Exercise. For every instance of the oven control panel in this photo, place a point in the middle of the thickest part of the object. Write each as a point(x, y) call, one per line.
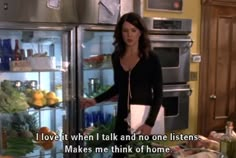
point(168, 26)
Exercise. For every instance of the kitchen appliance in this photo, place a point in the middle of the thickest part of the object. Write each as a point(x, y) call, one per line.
point(95, 45)
point(176, 103)
point(43, 27)
point(102, 11)
point(171, 41)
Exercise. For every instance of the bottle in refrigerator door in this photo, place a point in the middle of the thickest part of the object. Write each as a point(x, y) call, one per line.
point(7, 51)
point(29, 52)
point(17, 53)
point(1, 56)
point(22, 54)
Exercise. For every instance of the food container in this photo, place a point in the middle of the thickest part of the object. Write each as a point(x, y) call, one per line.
point(107, 61)
point(20, 65)
point(197, 153)
point(93, 85)
point(43, 63)
point(93, 61)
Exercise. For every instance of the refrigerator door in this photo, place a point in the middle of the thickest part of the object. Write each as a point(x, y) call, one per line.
point(96, 76)
point(35, 118)
point(49, 11)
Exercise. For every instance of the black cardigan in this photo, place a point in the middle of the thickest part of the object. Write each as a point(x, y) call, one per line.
point(146, 86)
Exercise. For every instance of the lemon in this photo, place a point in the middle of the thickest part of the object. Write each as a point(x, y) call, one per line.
point(38, 102)
point(38, 95)
point(51, 101)
point(51, 95)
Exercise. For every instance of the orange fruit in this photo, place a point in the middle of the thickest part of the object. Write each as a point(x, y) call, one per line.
point(38, 102)
point(52, 133)
point(47, 145)
point(38, 94)
point(51, 101)
point(51, 95)
point(44, 130)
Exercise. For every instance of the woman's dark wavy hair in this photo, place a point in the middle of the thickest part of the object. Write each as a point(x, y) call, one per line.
point(144, 42)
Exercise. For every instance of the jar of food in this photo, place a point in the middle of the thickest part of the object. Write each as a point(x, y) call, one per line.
point(93, 85)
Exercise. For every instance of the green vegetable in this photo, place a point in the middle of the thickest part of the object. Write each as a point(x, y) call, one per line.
point(100, 90)
point(11, 99)
point(19, 146)
point(101, 129)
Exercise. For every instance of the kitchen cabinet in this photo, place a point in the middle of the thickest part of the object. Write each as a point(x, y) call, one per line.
point(220, 2)
point(217, 99)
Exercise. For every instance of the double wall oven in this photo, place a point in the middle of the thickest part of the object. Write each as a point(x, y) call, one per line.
point(171, 41)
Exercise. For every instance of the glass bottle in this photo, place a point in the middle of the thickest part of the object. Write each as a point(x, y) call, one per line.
point(227, 140)
point(7, 51)
point(4, 138)
point(22, 54)
point(1, 56)
point(17, 53)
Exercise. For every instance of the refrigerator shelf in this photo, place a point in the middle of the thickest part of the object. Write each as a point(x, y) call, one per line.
point(33, 71)
point(98, 68)
point(46, 107)
point(107, 103)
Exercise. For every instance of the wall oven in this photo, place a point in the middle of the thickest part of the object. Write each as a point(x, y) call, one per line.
point(176, 103)
point(173, 51)
point(171, 41)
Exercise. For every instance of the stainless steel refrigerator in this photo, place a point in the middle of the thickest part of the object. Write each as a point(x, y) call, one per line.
point(52, 52)
point(96, 76)
point(47, 44)
point(58, 58)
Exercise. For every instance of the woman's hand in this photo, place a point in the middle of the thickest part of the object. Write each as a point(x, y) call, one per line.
point(144, 129)
point(87, 102)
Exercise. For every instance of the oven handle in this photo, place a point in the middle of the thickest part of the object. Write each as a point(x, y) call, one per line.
point(171, 40)
point(189, 90)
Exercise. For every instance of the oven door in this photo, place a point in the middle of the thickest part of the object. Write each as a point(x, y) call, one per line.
point(176, 103)
point(174, 55)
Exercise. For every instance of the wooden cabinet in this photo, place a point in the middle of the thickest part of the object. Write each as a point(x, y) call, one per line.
point(219, 2)
point(217, 99)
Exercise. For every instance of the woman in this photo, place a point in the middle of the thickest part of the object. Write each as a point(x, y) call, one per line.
point(137, 74)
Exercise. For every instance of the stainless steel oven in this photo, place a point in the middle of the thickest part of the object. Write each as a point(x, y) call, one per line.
point(171, 41)
point(174, 54)
point(176, 103)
